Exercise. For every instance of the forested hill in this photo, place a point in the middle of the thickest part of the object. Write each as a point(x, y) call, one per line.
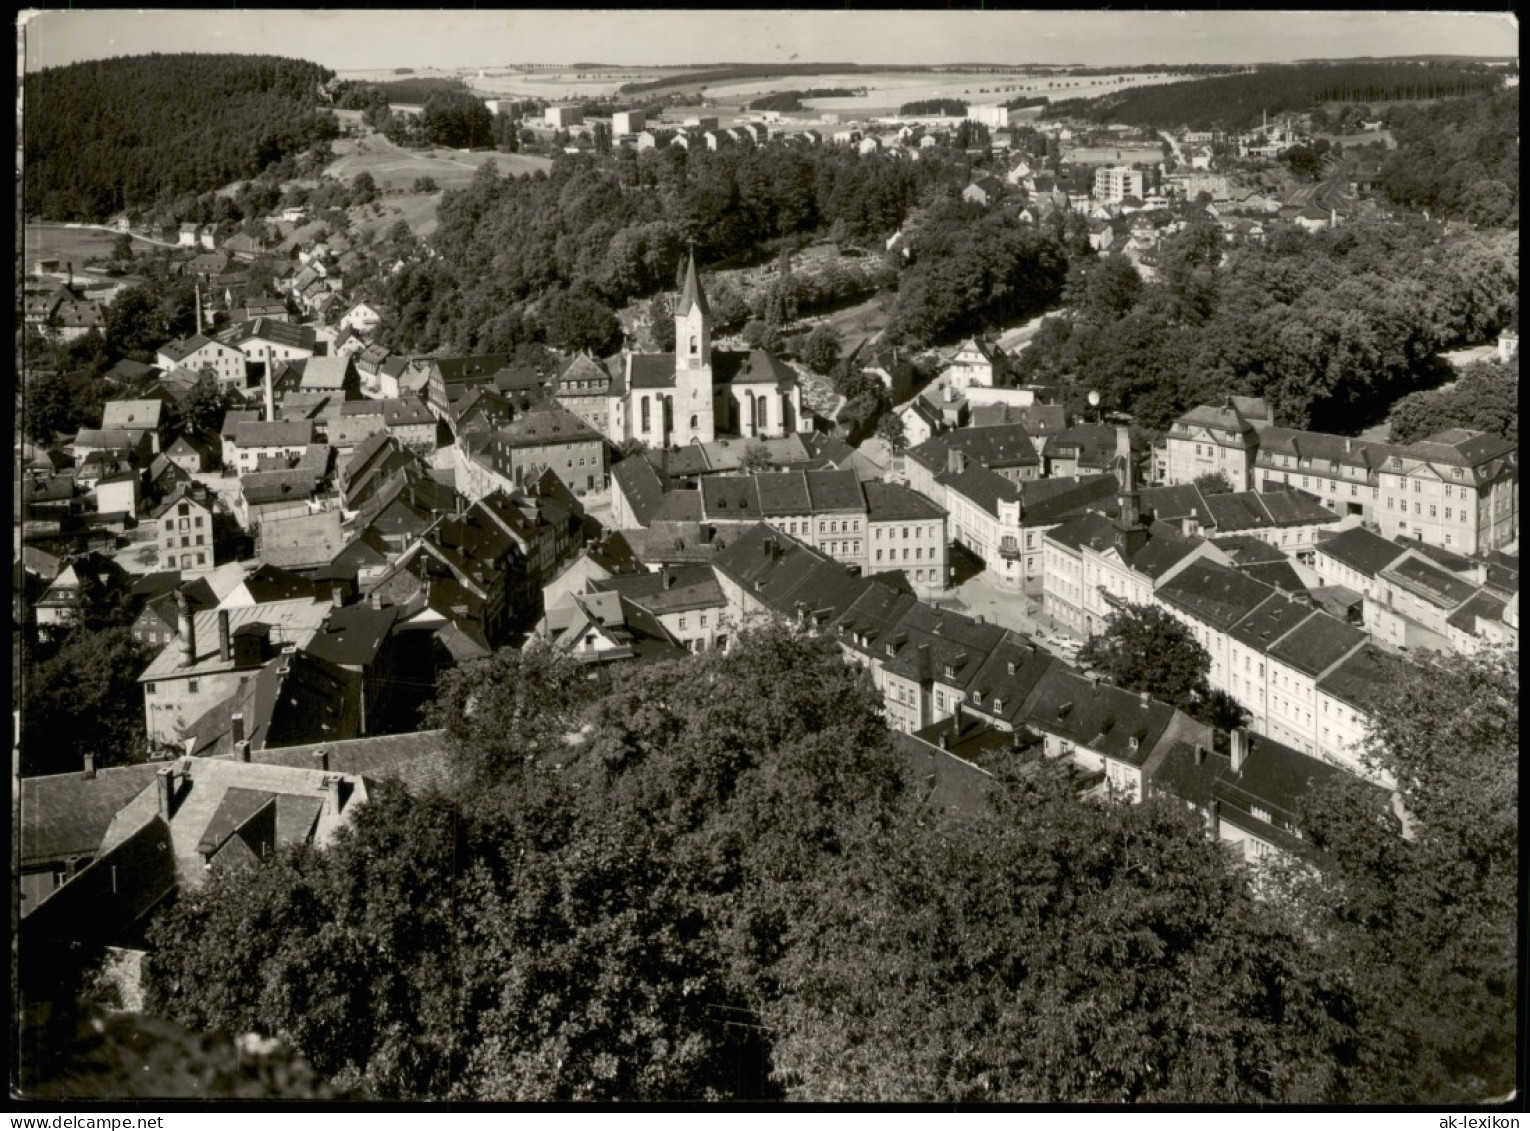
point(117, 133)
point(1237, 101)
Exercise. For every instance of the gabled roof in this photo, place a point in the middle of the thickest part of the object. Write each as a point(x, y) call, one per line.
point(275, 331)
point(1481, 604)
point(984, 488)
point(272, 433)
point(1098, 715)
point(641, 486)
point(478, 367)
point(66, 815)
point(1273, 777)
point(758, 367)
point(833, 491)
point(1322, 448)
point(133, 414)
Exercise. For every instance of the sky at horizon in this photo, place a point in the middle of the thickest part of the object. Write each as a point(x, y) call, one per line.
point(448, 39)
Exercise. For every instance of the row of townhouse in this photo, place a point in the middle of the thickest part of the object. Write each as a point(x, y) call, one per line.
point(1456, 489)
point(1275, 653)
point(1414, 595)
point(960, 684)
point(871, 527)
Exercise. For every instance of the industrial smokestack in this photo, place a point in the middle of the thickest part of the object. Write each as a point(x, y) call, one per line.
point(1239, 748)
point(187, 629)
point(270, 391)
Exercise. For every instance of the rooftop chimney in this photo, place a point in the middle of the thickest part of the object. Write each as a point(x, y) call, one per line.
point(225, 649)
point(331, 788)
point(186, 627)
point(237, 727)
point(1147, 700)
point(337, 594)
point(956, 460)
point(1094, 684)
point(90, 766)
point(242, 750)
point(321, 758)
point(1200, 754)
point(1239, 748)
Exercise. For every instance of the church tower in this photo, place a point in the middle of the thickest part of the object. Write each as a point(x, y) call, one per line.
point(694, 414)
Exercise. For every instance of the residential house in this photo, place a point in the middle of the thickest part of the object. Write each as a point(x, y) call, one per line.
point(264, 342)
point(1004, 523)
point(1006, 449)
point(584, 388)
point(687, 601)
point(212, 653)
point(137, 416)
point(333, 376)
point(977, 361)
point(199, 353)
point(603, 627)
point(549, 437)
point(254, 440)
point(193, 453)
point(1213, 439)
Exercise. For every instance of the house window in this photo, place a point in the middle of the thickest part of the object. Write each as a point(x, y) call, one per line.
point(703, 620)
point(682, 624)
point(148, 689)
point(191, 686)
point(201, 559)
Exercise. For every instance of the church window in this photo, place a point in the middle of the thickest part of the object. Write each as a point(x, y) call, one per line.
point(645, 414)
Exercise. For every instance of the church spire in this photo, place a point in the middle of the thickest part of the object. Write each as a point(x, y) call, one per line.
point(692, 293)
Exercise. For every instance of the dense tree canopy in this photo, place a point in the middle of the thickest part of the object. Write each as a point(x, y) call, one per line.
point(110, 134)
point(711, 878)
point(86, 698)
point(1239, 101)
point(1425, 928)
point(1485, 397)
point(1331, 328)
point(620, 226)
point(1143, 648)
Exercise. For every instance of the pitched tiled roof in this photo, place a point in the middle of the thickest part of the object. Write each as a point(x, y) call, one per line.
point(1007, 445)
point(1294, 508)
point(653, 370)
point(1423, 578)
point(1214, 593)
point(980, 486)
point(274, 330)
point(1317, 643)
point(1322, 447)
point(1361, 550)
point(1222, 418)
point(1098, 715)
point(479, 367)
point(781, 493)
point(758, 367)
point(64, 815)
point(730, 498)
point(1274, 777)
point(272, 433)
point(835, 491)
point(549, 424)
point(1275, 616)
point(889, 502)
point(1481, 604)
point(640, 485)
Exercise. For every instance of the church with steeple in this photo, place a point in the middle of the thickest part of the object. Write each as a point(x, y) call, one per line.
point(696, 393)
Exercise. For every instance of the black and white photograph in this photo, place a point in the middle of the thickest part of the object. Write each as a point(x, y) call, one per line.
point(925, 559)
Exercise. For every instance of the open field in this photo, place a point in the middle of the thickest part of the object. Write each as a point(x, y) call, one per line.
point(417, 209)
point(70, 244)
point(395, 168)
